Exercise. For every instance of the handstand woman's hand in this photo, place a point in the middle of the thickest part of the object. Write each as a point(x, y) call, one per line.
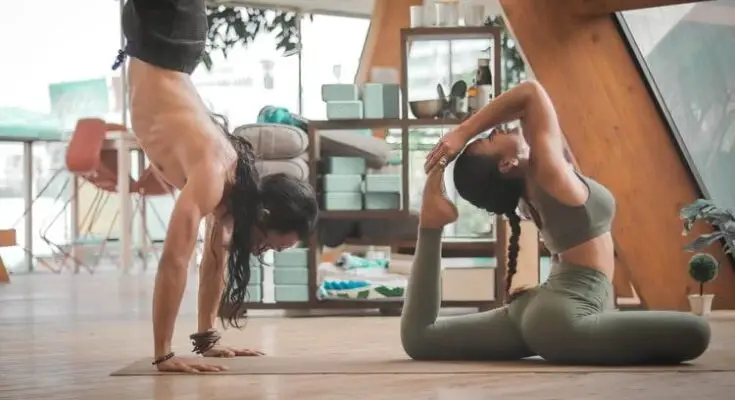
point(229, 352)
point(189, 365)
point(445, 151)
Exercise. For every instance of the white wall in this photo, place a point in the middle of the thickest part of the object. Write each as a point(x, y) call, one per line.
point(492, 7)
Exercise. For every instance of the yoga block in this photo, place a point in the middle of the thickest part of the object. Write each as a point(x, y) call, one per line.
point(255, 293)
point(343, 183)
point(340, 92)
point(344, 110)
point(346, 165)
point(296, 257)
point(256, 275)
point(291, 276)
point(342, 201)
point(382, 201)
point(383, 183)
point(381, 100)
point(292, 293)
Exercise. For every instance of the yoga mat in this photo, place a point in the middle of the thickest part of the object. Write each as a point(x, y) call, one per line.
point(316, 365)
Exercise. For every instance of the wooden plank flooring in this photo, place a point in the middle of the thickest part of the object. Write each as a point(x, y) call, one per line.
point(61, 336)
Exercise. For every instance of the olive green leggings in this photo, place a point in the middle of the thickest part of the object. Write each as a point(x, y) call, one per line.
point(569, 319)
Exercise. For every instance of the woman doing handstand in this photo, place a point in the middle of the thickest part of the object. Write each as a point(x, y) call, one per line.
point(216, 175)
point(569, 318)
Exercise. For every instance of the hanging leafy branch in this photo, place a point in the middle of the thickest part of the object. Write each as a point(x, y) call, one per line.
point(514, 68)
point(239, 26)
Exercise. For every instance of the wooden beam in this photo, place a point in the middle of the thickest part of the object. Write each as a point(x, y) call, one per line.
point(621, 279)
point(605, 7)
point(382, 46)
point(619, 138)
point(383, 42)
point(528, 273)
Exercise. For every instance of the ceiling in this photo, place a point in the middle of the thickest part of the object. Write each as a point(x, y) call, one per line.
point(340, 7)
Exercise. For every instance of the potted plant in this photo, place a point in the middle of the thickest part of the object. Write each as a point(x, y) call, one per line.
point(702, 268)
point(722, 220)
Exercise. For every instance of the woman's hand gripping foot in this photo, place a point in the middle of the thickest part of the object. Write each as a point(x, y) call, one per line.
point(436, 209)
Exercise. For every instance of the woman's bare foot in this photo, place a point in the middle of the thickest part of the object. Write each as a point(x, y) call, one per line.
point(436, 209)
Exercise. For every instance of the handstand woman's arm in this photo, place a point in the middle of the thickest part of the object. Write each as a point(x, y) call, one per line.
point(211, 275)
point(198, 198)
point(211, 286)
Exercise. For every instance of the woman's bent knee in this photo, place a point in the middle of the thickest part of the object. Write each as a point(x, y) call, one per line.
point(414, 342)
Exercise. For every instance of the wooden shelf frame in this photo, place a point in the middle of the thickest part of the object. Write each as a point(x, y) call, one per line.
point(404, 124)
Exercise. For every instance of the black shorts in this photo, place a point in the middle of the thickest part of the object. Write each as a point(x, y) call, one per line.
point(166, 33)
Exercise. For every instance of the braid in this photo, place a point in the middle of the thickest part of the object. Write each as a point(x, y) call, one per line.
point(513, 248)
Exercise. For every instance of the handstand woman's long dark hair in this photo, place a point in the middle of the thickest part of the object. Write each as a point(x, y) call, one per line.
point(479, 181)
point(276, 203)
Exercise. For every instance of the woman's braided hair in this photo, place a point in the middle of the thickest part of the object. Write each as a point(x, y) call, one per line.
point(478, 180)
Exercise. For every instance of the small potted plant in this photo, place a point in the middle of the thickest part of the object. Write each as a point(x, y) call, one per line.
point(722, 220)
point(702, 268)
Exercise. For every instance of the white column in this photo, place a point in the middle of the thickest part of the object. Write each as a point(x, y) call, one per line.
point(123, 189)
point(28, 201)
point(142, 226)
point(123, 175)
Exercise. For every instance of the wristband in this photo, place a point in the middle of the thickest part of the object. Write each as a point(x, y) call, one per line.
point(163, 358)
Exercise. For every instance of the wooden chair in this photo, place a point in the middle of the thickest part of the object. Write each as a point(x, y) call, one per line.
point(88, 158)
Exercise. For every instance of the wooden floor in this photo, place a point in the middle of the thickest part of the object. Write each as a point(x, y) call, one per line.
point(61, 336)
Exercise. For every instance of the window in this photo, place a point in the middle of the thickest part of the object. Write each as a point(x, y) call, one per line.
point(321, 64)
point(248, 79)
point(11, 201)
point(687, 52)
point(63, 70)
point(56, 75)
point(52, 187)
point(432, 63)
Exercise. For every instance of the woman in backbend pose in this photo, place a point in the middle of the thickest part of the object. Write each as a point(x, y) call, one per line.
point(568, 319)
point(214, 171)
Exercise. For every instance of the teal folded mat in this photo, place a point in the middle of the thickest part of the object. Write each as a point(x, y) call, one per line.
point(349, 261)
point(358, 290)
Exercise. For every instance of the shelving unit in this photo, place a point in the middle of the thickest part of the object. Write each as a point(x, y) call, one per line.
point(405, 123)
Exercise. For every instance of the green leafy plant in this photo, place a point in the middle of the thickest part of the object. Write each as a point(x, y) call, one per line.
point(703, 268)
point(514, 68)
point(239, 26)
point(723, 220)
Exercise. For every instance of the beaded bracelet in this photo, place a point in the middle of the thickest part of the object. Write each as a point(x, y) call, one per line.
point(163, 358)
point(204, 341)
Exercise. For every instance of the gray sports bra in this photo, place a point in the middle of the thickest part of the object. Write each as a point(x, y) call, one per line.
point(564, 226)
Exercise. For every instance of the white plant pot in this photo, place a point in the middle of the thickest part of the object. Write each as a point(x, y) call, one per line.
point(701, 305)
